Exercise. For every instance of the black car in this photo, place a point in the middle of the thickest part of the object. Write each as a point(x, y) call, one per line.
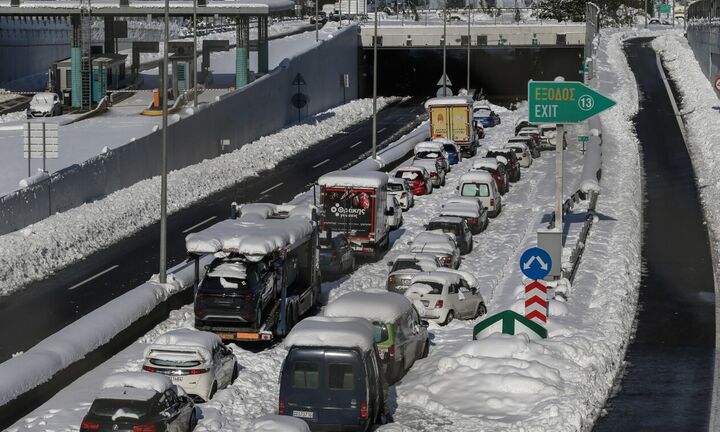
point(336, 255)
point(513, 165)
point(532, 142)
point(454, 225)
point(127, 409)
point(322, 19)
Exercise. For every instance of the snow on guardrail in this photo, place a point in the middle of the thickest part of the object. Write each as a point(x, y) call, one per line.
point(40, 363)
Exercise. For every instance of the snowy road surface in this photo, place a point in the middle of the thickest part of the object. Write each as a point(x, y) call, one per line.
point(421, 401)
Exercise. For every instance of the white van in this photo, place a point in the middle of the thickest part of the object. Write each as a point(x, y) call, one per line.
point(481, 184)
point(523, 153)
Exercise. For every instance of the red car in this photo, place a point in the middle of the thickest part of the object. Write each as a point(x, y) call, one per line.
point(496, 170)
point(417, 178)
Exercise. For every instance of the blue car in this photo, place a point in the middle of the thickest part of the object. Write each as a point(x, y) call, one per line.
point(486, 122)
point(453, 153)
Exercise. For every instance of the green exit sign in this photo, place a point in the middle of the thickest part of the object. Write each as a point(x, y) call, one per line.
point(564, 102)
point(583, 138)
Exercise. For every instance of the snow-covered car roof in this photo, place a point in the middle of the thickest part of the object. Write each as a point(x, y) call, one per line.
point(428, 164)
point(444, 141)
point(278, 423)
point(373, 306)
point(443, 278)
point(472, 202)
point(481, 163)
point(332, 332)
point(429, 146)
point(449, 100)
point(420, 258)
point(461, 210)
point(476, 177)
point(411, 168)
point(433, 236)
point(184, 340)
point(251, 236)
point(519, 145)
point(481, 105)
point(446, 219)
point(359, 179)
point(134, 386)
point(529, 129)
point(469, 278)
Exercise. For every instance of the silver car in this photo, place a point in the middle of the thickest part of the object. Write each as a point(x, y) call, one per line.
point(405, 266)
point(445, 296)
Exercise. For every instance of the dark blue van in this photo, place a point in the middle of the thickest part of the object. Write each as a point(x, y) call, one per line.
point(332, 376)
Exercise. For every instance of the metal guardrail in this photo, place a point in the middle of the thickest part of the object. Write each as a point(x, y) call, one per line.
point(576, 255)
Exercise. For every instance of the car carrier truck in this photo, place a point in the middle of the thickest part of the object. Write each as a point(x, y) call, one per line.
point(265, 274)
point(452, 118)
point(354, 203)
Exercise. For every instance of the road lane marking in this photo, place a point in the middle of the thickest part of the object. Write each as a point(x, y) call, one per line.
point(380, 131)
point(93, 277)
point(356, 144)
point(198, 224)
point(321, 163)
point(274, 187)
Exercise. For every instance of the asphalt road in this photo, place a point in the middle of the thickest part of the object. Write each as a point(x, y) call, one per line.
point(49, 305)
point(668, 383)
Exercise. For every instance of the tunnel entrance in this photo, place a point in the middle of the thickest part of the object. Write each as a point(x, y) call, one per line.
point(501, 72)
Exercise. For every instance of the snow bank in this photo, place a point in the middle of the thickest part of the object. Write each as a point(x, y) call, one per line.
point(139, 380)
point(396, 150)
point(41, 362)
point(277, 423)
point(354, 178)
point(698, 106)
point(332, 332)
point(41, 249)
point(373, 306)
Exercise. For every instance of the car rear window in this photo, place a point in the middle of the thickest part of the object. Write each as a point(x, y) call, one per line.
point(445, 227)
point(405, 265)
point(120, 408)
point(306, 375)
point(341, 376)
point(436, 288)
point(408, 175)
point(475, 189)
point(394, 187)
point(175, 363)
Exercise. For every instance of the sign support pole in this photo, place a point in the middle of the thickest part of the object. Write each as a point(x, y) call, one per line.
point(559, 144)
point(29, 147)
point(44, 147)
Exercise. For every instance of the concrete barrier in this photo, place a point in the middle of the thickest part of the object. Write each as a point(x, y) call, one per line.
point(243, 116)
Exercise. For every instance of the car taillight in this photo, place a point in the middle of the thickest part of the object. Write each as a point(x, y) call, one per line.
point(363, 411)
point(433, 174)
point(391, 352)
point(281, 407)
point(147, 427)
point(149, 369)
point(439, 304)
point(392, 280)
point(472, 221)
point(87, 425)
point(334, 255)
point(197, 371)
point(492, 201)
point(445, 260)
point(403, 195)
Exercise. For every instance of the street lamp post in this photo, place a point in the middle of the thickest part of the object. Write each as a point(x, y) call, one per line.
point(375, 78)
point(467, 87)
point(444, 49)
point(646, 14)
point(194, 68)
point(317, 35)
point(163, 163)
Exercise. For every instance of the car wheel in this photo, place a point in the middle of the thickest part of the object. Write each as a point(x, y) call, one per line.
point(448, 319)
point(472, 244)
point(212, 391)
point(443, 181)
point(235, 373)
point(193, 420)
point(426, 349)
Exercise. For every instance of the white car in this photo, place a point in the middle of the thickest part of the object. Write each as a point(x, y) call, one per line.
point(394, 213)
point(523, 153)
point(399, 188)
point(44, 105)
point(482, 186)
point(433, 150)
point(195, 360)
point(437, 173)
point(445, 296)
point(468, 208)
point(438, 243)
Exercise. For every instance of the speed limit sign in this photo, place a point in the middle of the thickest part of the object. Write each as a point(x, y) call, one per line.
point(716, 84)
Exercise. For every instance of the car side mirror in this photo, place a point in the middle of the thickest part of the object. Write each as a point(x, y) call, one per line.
point(425, 323)
point(389, 263)
point(390, 212)
point(457, 187)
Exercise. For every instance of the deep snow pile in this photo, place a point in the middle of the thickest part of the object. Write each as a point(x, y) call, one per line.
point(39, 250)
point(698, 106)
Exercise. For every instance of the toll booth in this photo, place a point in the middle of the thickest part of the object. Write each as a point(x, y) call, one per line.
point(108, 73)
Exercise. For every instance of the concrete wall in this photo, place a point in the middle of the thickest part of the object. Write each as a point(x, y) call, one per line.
point(257, 109)
point(29, 46)
point(704, 38)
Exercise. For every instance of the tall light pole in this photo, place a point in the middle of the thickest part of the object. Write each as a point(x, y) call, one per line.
point(444, 49)
point(467, 87)
point(375, 78)
point(646, 15)
point(163, 163)
point(317, 35)
point(194, 68)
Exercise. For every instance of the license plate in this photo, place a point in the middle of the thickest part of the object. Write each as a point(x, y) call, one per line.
point(303, 414)
point(176, 378)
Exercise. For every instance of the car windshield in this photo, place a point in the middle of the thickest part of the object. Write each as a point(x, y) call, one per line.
point(452, 228)
point(41, 99)
point(405, 265)
point(475, 189)
point(435, 287)
point(408, 175)
point(120, 408)
point(395, 187)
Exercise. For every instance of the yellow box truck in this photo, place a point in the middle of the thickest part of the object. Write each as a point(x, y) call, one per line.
point(451, 118)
